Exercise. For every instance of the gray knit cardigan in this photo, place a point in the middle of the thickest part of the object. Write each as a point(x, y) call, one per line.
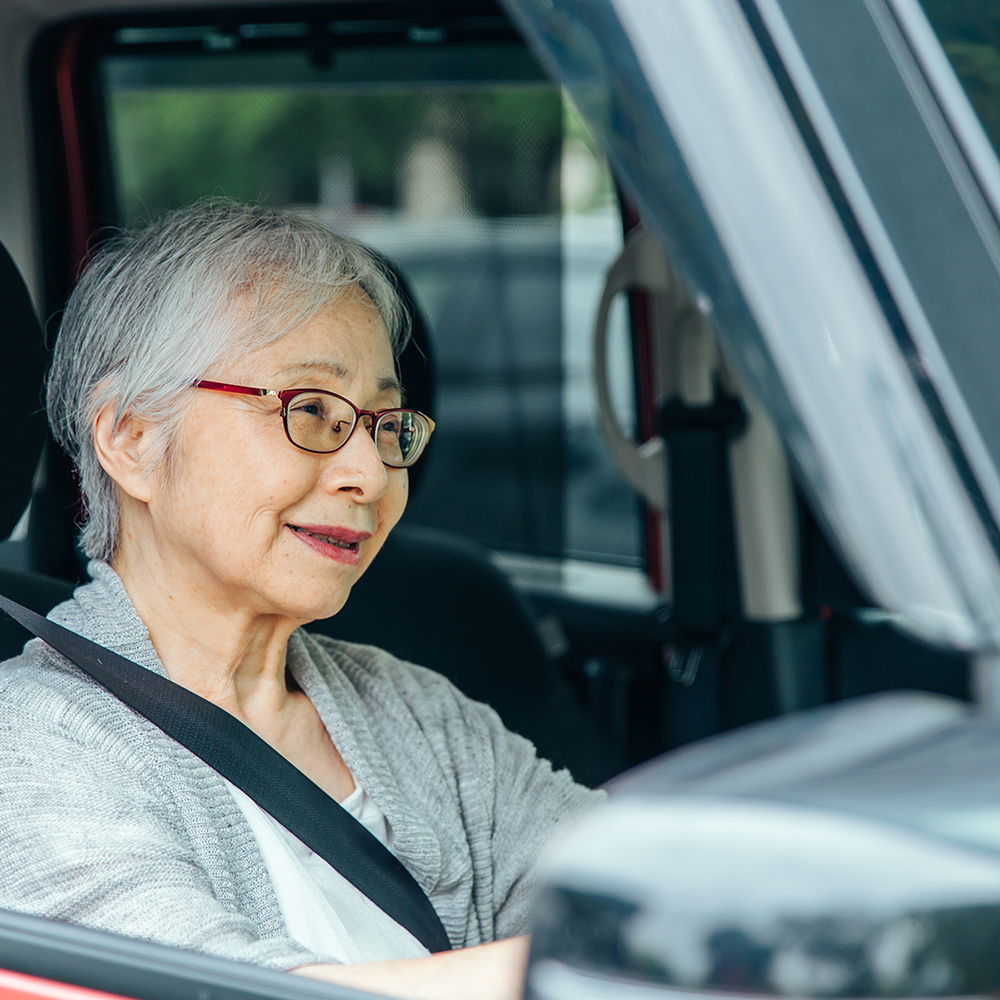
point(108, 823)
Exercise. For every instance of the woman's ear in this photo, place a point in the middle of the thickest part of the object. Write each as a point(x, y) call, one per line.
point(123, 451)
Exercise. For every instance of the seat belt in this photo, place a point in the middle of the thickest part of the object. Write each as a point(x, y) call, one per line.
point(703, 561)
point(242, 757)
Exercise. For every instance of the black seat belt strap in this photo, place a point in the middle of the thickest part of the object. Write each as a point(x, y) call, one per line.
point(242, 757)
point(702, 556)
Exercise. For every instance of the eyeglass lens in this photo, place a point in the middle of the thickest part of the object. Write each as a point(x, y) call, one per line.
point(323, 423)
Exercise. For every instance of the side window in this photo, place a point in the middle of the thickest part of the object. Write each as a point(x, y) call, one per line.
point(969, 33)
point(471, 171)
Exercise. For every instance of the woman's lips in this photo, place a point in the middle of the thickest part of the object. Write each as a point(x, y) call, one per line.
point(340, 544)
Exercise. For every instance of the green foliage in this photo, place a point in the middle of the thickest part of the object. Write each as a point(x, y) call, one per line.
point(971, 20)
point(172, 146)
point(978, 67)
point(969, 31)
point(590, 185)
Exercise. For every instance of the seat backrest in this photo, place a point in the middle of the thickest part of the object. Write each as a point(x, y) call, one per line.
point(22, 430)
point(35, 591)
point(416, 366)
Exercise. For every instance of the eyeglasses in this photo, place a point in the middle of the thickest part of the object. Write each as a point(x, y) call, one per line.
point(323, 422)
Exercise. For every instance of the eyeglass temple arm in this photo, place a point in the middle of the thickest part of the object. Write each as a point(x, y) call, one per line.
point(245, 390)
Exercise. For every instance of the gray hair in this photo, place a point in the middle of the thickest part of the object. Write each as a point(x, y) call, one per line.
point(159, 308)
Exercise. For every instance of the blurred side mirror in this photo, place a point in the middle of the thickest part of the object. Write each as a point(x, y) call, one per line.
point(849, 852)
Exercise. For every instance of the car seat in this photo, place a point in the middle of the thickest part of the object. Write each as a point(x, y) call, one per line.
point(24, 356)
point(431, 597)
point(23, 432)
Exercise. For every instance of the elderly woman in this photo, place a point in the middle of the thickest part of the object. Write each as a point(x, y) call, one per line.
point(226, 385)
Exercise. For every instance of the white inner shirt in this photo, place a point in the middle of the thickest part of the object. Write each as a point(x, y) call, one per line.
point(322, 910)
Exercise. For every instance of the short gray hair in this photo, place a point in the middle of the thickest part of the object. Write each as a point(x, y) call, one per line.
point(159, 308)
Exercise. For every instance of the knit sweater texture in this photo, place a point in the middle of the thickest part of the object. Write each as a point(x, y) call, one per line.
point(108, 823)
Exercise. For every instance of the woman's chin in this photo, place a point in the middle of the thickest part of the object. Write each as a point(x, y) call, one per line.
point(307, 608)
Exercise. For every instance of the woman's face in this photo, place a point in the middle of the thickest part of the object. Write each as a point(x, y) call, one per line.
point(259, 524)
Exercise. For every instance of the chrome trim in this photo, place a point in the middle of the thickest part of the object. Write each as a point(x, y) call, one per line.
point(599, 584)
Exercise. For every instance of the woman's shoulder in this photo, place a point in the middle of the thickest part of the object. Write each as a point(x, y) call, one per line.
point(41, 686)
point(408, 706)
point(49, 707)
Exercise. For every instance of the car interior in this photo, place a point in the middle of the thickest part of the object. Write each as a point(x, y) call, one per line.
point(608, 611)
point(517, 498)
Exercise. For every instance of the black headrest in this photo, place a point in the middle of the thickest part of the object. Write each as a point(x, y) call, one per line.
point(22, 418)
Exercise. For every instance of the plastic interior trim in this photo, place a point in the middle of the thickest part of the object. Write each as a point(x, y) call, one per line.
point(640, 265)
point(113, 964)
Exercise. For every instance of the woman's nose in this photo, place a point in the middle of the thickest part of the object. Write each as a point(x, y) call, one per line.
point(356, 467)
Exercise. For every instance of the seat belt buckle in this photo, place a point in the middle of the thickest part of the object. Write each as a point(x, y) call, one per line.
point(685, 651)
point(682, 664)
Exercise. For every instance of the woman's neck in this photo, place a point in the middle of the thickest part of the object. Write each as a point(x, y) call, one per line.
point(205, 640)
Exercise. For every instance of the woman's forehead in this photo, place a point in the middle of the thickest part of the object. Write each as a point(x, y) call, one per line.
point(343, 343)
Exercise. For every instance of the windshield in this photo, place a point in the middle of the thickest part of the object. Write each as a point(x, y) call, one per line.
point(812, 176)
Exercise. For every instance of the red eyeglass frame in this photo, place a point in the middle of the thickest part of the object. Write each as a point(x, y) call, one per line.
point(287, 395)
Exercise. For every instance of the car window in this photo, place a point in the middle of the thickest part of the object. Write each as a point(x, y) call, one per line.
point(467, 167)
point(969, 33)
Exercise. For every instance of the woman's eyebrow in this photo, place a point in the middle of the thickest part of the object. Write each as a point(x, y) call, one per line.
point(387, 383)
point(334, 368)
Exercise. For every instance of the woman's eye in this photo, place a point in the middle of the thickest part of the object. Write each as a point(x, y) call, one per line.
point(310, 408)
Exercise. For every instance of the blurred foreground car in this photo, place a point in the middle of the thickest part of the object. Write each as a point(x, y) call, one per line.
point(794, 359)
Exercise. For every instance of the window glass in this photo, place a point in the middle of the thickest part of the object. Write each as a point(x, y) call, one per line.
point(969, 32)
point(490, 196)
